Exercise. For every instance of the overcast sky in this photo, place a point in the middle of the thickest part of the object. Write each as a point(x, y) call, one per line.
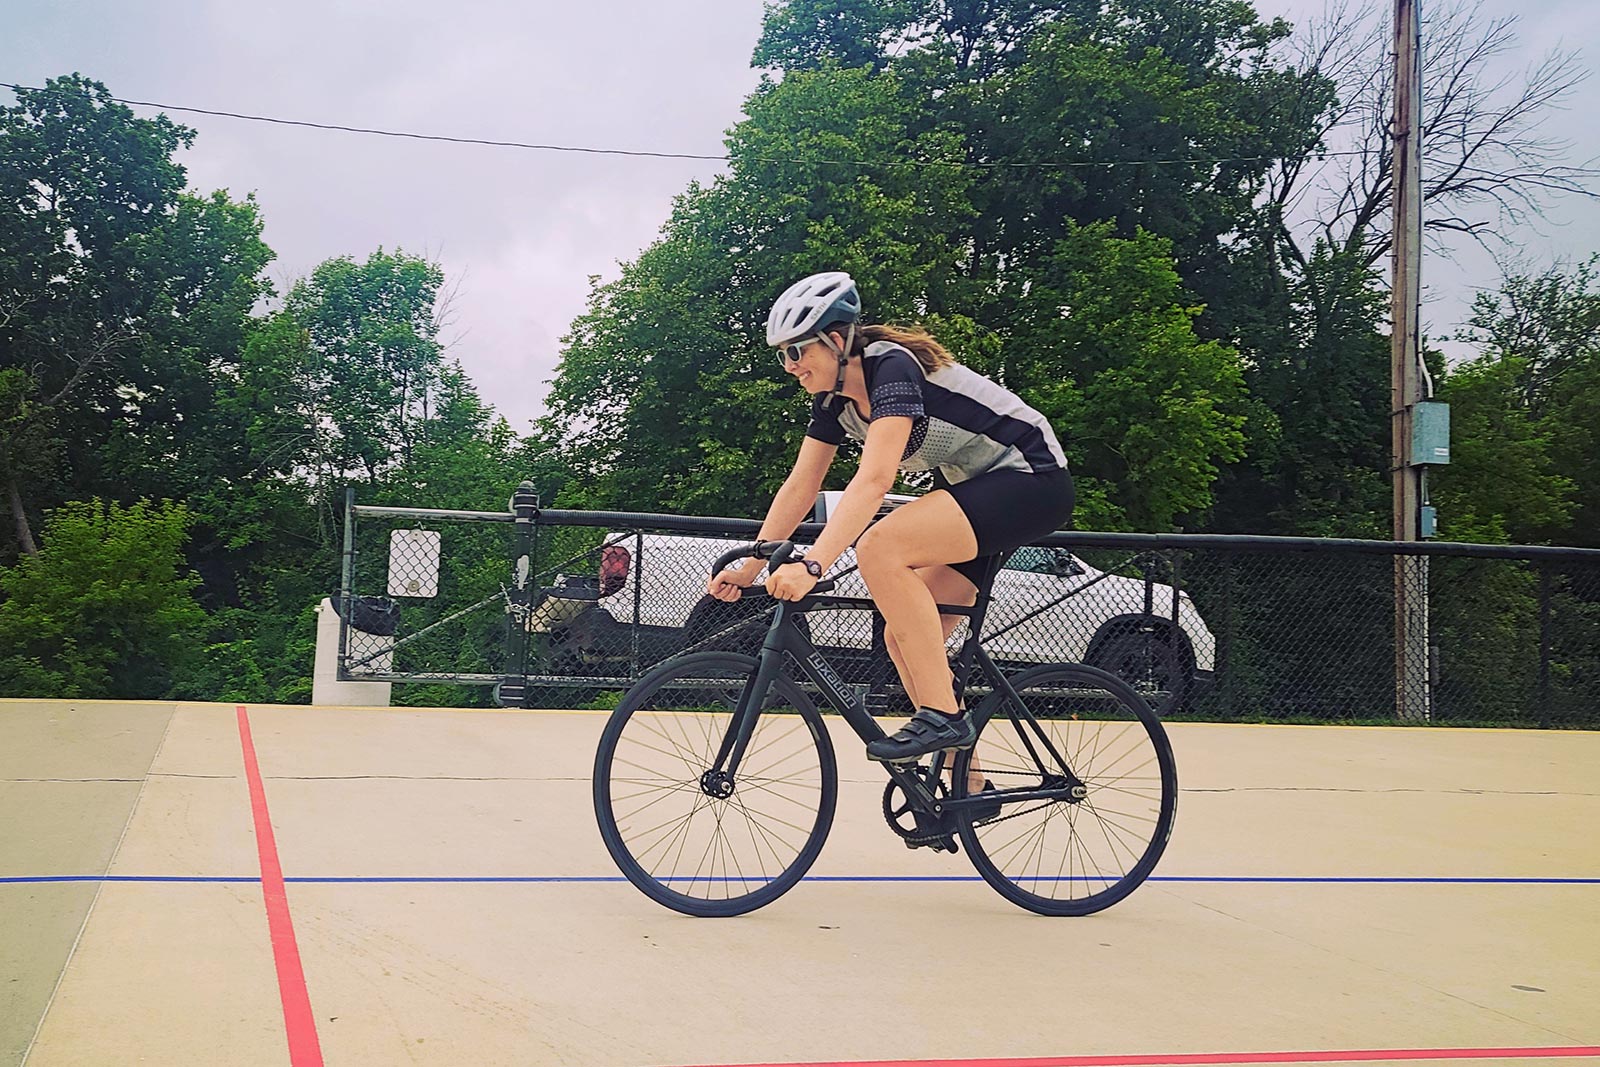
point(519, 232)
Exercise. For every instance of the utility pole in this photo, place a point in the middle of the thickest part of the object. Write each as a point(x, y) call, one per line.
point(1410, 572)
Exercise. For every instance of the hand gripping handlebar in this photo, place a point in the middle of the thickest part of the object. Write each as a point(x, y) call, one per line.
point(777, 553)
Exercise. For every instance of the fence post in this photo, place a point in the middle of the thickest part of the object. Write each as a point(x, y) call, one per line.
point(1177, 587)
point(1222, 658)
point(1412, 694)
point(513, 689)
point(638, 602)
point(347, 577)
point(1145, 561)
point(1544, 646)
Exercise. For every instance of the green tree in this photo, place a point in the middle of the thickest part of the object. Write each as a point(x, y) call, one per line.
point(1503, 483)
point(1064, 106)
point(373, 337)
point(122, 301)
point(1525, 456)
point(84, 188)
point(204, 267)
point(1524, 466)
point(105, 608)
point(284, 510)
point(652, 370)
point(463, 455)
point(1321, 440)
point(1103, 343)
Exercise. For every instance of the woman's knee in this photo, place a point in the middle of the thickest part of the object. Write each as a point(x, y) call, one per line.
point(877, 552)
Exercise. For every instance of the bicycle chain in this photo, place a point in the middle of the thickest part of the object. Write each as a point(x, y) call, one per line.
point(1025, 811)
point(915, 840)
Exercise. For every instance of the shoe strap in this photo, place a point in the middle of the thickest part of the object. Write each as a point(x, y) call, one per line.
point(937, 720)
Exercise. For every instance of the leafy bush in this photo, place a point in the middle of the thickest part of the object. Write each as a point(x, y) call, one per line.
point(106, 609)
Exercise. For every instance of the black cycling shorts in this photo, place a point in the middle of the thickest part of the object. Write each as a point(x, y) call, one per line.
point(1008, 509)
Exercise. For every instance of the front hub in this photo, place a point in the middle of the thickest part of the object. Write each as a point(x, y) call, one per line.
point(717, 784)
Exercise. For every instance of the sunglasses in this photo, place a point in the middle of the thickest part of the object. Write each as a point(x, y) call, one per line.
point(791, 353)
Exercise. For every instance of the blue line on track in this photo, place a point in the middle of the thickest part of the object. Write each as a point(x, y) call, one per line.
point(556, 879)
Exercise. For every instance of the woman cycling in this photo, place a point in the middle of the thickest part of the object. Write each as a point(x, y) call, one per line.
point(1000, 475)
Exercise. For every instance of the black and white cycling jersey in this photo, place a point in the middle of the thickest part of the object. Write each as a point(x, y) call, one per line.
point(963, 424)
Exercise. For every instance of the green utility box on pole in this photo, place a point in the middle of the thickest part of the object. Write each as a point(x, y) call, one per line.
point(1430, 434)
point(1430, 447)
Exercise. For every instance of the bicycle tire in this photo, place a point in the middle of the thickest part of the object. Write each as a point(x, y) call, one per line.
point(1154, 663)
point(678, 715)
point(1115, 744)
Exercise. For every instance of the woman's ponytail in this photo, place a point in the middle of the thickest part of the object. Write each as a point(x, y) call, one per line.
point(918, 341)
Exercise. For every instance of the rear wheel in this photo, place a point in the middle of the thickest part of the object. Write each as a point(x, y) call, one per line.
point(685, 841)
point(1103, 785)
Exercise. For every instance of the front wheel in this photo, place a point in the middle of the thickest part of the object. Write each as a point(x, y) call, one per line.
point(692, 844)
point(1085, 791)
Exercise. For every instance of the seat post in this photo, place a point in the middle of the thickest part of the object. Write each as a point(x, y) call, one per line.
point(962, 668)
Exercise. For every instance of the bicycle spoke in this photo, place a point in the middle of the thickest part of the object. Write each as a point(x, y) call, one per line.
point(1082, 850)
point(713, 844)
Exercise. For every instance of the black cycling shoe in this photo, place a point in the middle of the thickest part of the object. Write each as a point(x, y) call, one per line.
point(988, 809)
point(928, 731)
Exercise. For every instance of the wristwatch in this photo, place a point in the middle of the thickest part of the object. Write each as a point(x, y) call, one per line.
point(812, 567)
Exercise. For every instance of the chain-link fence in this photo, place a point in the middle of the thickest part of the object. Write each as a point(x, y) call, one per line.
point(423, 596)
point(547, 608)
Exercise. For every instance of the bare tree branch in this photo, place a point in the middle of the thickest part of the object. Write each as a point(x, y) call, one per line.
point(104, 342)
point(1488, 165)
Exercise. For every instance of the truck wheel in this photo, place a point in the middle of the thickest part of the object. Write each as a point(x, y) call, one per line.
point(1146, 659)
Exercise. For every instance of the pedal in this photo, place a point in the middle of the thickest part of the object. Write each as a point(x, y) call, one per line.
point(938, 842)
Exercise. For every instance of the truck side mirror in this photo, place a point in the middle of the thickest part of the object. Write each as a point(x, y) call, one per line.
point(1065, 564)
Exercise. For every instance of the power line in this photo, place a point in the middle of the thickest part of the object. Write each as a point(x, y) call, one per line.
point(1058, 164)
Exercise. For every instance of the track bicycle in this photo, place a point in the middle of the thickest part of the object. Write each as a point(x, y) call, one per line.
point(715, 780)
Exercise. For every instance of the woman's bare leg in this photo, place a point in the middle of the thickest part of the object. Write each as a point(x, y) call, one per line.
point(948, 586)
point(930, 531)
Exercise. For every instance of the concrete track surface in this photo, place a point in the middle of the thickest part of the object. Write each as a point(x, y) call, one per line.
point(211, 884)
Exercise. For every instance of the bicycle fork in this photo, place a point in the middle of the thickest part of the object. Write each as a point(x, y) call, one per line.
point(718, 781)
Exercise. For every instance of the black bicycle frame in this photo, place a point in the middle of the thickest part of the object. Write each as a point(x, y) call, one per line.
point(784, 637)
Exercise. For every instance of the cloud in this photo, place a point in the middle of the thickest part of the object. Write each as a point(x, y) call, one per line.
point(520, 231)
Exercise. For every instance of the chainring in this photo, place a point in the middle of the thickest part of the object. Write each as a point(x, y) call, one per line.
point(919, 829)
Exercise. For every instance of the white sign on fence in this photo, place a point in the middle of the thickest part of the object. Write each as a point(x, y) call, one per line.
point(414, 563)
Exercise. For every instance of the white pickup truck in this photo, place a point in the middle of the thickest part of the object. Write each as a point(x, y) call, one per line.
point(1048, 605)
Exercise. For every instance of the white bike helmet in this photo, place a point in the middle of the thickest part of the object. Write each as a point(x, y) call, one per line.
point(810, 303)
point(814, 302)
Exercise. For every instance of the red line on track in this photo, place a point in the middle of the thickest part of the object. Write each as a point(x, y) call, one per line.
point(1179, 1059)
point(301, 1026)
